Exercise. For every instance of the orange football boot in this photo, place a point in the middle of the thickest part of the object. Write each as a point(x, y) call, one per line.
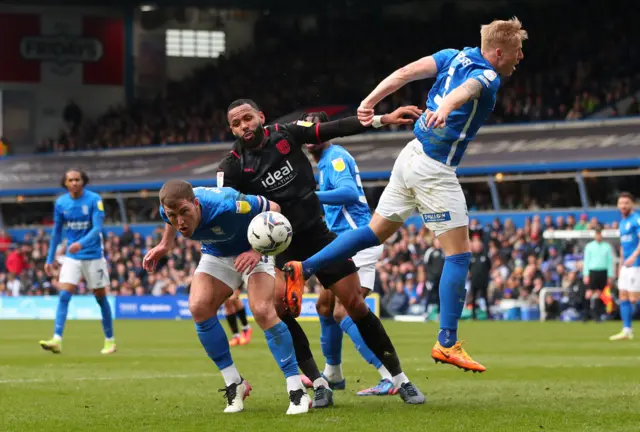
point(246, 335)
point(294, 287)
point(235, 341)
point(456, 356)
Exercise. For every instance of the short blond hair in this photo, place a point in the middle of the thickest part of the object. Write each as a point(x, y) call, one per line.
point(502, 33)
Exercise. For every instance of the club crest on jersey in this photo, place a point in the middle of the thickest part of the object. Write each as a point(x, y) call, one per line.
point(283, 147)
point(338, 164)
point(85, 210)
point(217, 230)
point(279, 178)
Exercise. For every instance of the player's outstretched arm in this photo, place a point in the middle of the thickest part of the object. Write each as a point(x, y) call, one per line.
point(424, 68)
point(321, 132)
point(150, 260)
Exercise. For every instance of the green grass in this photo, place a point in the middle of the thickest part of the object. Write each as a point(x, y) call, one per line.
point(541, 376)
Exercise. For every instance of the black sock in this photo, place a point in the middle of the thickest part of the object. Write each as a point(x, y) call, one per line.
point(233, 323)
point(376, 338)
point(306, 363)
point(242, 315)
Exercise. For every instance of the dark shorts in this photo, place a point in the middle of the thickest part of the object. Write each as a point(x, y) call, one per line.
point(307, 243)
point(597, 279)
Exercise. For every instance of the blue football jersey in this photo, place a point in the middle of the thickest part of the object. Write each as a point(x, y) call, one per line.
point(629, 231)
point(448, 144)
point(81, 219)
point(226, 214)
point(338, 168)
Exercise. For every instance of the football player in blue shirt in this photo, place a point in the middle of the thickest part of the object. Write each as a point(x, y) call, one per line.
point(345, 206)
point(219, 219)
point(424, 174)
point(80, 213)
point(629, 277)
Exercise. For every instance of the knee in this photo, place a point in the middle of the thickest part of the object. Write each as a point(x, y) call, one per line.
point(355, 306)
point(264, 313)
point(323, 309)
point(202, 310)
point(339, 313)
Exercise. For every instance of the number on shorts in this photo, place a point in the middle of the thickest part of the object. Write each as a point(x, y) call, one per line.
point(101, 274)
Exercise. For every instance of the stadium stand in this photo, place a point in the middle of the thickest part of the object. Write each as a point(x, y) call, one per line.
point(557, 81)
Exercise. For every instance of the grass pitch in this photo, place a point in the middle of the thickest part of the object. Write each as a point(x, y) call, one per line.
point(541, 376)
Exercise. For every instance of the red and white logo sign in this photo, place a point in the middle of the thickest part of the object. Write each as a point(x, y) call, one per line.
point(47, 48)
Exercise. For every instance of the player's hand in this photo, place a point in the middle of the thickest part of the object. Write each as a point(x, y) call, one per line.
point(586, 280)
point(365, 114)
point(150, 260)
point(436, 119)
point(629, 261)
point(403, 115)
point(48, 269)
point(247, 261)
point(74, 248)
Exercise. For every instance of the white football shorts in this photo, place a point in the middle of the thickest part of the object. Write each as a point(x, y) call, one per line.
point(366, 261)
point(222, 268)
point(421, 183)
point(95, 272)
point(629, 279)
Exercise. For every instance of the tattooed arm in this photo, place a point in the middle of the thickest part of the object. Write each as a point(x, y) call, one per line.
point(470, 90)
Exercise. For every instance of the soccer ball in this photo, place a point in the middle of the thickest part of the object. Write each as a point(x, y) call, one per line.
point(270, 233)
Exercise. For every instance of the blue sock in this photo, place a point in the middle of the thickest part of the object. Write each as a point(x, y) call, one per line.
point(350, 243)
point(452, 294)
point(331, 340)
point(626, 313)
point(107, 320)
point(281, 346)
point(349, 327)
point(215, 342)
point(61, 312)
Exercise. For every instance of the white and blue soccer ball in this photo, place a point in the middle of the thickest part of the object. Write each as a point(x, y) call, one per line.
point(270, 233)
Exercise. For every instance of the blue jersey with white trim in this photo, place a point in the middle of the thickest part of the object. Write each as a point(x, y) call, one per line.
point(82, 219)
point(338, 168)
point(629, 231)
point(225, 219)
point(448, 144)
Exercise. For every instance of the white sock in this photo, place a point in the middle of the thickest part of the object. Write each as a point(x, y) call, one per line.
point(320, 382)
point(111, 339)
point(294, 383)
point(231, 375)
point(236, 335)
point(245, 328)
point(57, 338)
point(333, 373)
point(384, 373)
point(399, 379)
point(627, 330)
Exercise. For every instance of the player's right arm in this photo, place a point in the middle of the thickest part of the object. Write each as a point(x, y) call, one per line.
point(152, 257)
point(229, 173)
point(344, 190)
point(56, 237)
point(423, 68)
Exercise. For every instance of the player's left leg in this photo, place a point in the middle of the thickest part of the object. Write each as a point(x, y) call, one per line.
point(96, 273)
point(366, 261)
point(330, 340)
point(261, 292)
point(241, 313)
point(232, 320)
point(629, 293)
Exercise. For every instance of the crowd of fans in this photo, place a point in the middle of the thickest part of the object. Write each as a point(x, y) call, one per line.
point(569, 72)
point(512, 263)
